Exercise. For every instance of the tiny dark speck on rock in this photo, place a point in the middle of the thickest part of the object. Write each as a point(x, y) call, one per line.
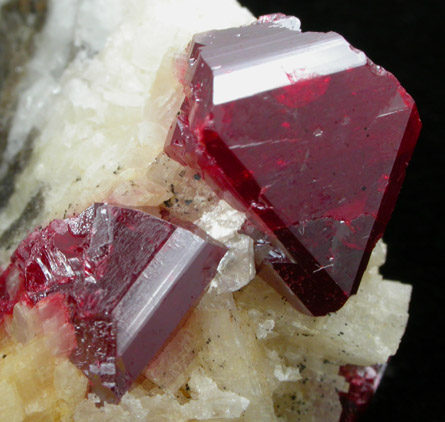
point(197, 176)
point(168, 203)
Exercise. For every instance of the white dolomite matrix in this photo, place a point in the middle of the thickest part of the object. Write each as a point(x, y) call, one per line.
point(101, 99)
point(101, 92)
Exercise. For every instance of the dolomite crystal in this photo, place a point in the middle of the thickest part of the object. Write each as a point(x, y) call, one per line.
point(305, 135)
point(129, 279)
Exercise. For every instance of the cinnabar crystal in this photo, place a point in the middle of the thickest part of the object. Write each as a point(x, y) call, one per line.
point(309, 138)
point(363, 383)
point(129, 279)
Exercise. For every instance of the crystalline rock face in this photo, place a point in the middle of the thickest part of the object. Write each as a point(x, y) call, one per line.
point(309, 138)
point(128, 278)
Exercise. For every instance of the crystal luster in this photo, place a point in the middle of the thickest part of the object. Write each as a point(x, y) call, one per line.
point(129, 279)
point(363, 383)
point(306, 135)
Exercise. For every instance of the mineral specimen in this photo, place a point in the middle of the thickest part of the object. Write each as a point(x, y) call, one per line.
point(87, 116)
point(128, 278)
point(309, 138)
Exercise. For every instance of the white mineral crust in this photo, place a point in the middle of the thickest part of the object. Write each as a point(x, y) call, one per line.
point(102, 91)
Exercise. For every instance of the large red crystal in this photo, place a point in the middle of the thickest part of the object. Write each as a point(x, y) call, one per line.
point(128, 277)
point(307, 136)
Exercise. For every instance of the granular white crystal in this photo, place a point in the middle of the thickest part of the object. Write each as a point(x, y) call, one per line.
point(211, 402)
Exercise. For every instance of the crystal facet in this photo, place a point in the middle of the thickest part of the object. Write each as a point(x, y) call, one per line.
point(129, 279)
point(309, 138)
point(363, 383)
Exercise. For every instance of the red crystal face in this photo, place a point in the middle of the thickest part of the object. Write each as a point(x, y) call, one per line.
point(128, 277)
point(363, 383)
point(309, 138)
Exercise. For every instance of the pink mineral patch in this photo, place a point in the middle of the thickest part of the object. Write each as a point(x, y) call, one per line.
point(363, 383)
point(128, 278)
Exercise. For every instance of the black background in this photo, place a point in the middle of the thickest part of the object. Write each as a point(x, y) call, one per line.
point(406, 38)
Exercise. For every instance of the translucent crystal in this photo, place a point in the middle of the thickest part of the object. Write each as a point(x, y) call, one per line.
point(363, 383)
point(129, 279)
point(308, 137)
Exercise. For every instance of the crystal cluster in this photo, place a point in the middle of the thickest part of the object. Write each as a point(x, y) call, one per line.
point(363, 382)
point(85, 114)
point(309, 138)
point(128, 278)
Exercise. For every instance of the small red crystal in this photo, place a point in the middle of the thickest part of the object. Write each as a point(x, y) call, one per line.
point(363, 383)
point(309, 138)
point(129, 279)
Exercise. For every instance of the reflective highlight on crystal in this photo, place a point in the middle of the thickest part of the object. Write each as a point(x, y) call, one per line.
point(308, 137)
point(363, 383)
point(129, 280)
